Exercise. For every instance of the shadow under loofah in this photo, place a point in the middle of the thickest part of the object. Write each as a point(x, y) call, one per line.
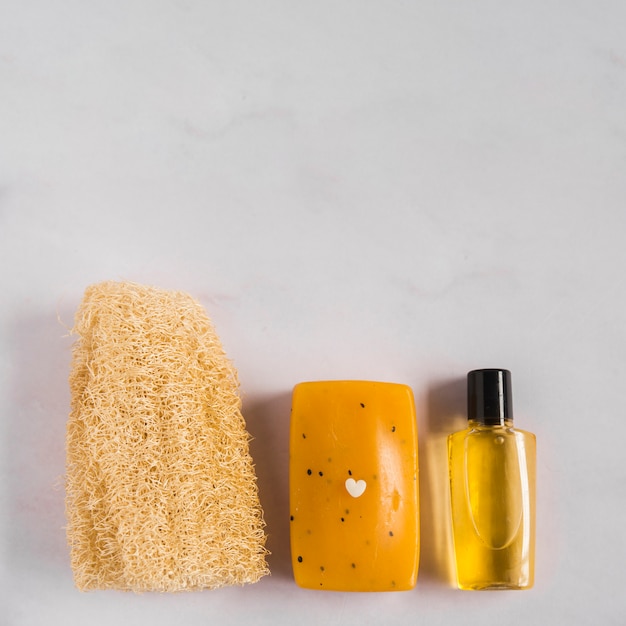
point(161, 492)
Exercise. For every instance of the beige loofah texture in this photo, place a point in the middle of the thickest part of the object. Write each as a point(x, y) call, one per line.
point(161, 492)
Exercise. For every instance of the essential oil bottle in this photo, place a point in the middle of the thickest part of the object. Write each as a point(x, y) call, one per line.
point(492, 489)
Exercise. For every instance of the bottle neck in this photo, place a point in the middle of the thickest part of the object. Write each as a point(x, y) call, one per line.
point(490, 423)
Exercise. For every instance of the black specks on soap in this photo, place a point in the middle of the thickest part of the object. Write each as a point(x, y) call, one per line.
point(299, 559)
point(362, 405)
point(347, 511)
point(393, 429)
point(291, 518)
point(391, 533)
point(309, 472)
point(343, 519)
point(321, 569)
point(350, 472)
point(321, 473)
point(303, 436)
point(353, 565)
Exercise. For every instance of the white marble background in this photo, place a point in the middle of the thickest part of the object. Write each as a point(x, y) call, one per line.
point(389, 190)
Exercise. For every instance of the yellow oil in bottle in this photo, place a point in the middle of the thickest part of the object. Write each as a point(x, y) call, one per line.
point(492, 490)
point(492, 480)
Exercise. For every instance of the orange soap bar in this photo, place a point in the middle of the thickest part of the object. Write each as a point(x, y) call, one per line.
point(354, 486)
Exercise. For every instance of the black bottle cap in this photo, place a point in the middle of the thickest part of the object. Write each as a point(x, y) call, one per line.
point(489, 396)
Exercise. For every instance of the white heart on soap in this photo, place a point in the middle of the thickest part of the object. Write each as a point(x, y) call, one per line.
point(355, 487)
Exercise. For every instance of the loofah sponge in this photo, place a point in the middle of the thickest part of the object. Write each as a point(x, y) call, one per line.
point(160, 492)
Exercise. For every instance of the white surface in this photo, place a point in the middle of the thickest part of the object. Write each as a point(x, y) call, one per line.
point(396, 191)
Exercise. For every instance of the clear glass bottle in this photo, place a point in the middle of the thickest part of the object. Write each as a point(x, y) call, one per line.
point(492, 489)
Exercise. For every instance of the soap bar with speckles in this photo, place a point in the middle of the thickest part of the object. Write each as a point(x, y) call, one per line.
point(354, 486)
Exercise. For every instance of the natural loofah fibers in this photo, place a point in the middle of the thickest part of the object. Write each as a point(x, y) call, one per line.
point(161, 492)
